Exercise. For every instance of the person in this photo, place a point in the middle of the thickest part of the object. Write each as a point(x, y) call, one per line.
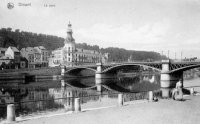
point(178, 92)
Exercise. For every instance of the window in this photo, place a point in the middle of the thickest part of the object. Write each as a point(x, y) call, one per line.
point(69, 59)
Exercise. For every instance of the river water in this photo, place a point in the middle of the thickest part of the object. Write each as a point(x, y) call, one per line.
point(48, 95)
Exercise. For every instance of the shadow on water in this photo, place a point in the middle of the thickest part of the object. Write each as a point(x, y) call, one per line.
point(133, 84)
point(80, 82)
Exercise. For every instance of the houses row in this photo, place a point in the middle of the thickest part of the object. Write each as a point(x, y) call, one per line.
point(30, 57)
point(37, 57)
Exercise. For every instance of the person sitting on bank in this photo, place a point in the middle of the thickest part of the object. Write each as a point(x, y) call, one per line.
point(178, 93)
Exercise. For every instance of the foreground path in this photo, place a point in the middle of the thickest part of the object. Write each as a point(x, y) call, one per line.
point(162, 112)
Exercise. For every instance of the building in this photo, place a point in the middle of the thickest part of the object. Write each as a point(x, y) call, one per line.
point(2, 51)
point(36, 56)
point(44, 55)
point(69, 55)
point(1, 41)
point(11, 59)
point(6, 62)
point(23, 62)
point(5, 98)
point(13, 53)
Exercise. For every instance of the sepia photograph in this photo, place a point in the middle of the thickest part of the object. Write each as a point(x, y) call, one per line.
point(99, 61)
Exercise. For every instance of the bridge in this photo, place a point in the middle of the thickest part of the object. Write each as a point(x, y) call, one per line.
point(171, 72)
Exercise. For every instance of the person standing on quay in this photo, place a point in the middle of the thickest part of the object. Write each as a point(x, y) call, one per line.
point(178, 92)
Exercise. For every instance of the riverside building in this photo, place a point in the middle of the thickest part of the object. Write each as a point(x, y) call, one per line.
point(36, 56)
point(69, 55)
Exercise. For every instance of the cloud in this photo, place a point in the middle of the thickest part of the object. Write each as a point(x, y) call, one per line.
point(150, 33)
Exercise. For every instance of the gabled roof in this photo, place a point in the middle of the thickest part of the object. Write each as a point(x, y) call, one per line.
point(30, 50)
point(35, 50)
point(40, 47)
point(14, 49)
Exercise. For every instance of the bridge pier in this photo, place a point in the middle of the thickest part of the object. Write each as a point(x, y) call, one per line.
point(168, 79)
point(99, 75)
point(63, 70)
point(99, 87)
point(165, 92)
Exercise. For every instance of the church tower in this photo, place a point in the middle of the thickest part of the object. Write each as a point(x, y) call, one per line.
point(69, 47)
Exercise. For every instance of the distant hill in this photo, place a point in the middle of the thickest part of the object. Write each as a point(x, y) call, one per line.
point(23, 39)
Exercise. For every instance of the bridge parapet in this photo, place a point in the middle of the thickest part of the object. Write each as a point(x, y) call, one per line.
point(153, 65)
point(182, 66)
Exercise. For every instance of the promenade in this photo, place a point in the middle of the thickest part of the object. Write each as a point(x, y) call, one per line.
point(165, 111)
point(162, 112)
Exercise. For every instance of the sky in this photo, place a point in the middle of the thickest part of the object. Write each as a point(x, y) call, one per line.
point(148, 25)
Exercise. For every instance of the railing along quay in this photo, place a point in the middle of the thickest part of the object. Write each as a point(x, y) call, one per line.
point(76, 103)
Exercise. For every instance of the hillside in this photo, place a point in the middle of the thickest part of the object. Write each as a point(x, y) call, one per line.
point(21, 39)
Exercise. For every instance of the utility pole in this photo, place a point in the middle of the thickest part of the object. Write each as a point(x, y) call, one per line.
point(181, 55)
point(168, 54)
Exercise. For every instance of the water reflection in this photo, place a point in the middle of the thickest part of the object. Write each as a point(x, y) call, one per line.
point(59, 94)
point(134, 84)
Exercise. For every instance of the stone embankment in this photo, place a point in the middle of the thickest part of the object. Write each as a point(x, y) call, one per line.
point(36, 71)
point(30, 74)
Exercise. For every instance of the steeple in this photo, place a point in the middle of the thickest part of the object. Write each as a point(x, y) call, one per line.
point(69, 30)
point(69, 37)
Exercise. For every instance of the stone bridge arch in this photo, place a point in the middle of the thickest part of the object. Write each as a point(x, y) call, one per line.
point(80, 71)
point(80, 68)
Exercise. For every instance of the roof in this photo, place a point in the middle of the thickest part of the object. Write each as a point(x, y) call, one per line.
point(87, 51)
point(14, 49)
point(30, 50)
point(40, 47)
point(36, 51)
point(57, 49)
